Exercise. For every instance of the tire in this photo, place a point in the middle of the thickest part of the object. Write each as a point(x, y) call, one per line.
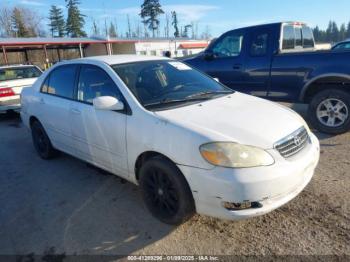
point(42, 142)
point(165, 191)
point(329, 111)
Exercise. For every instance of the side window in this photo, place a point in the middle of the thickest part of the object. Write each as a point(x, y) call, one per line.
point(308, 40)
point(95, 82)
point(228, 46)
point(259, 44)
point(288, 37)
point(60, 82)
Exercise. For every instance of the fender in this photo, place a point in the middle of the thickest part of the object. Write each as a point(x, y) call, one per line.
point(313, 80)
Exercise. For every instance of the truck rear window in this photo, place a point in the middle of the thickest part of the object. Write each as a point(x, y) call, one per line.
point(15, 73)
point(288, 37)
point(297, 37)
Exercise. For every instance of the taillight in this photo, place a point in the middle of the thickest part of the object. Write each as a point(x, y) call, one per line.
point(6, 92)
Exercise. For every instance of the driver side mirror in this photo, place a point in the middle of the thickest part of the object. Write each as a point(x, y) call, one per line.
point(209, 55)
point(108, 103)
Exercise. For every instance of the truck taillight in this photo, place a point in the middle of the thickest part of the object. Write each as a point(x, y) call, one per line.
point(6, 92)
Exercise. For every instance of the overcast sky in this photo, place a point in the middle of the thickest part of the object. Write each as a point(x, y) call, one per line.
point(219, 15)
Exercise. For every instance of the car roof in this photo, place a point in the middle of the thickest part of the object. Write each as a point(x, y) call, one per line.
point(121, 59)
point(15, 66)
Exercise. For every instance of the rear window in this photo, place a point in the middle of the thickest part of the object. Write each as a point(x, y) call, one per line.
point(308, 37)
point(288, 37)
point(15, 73)
point(296, 37)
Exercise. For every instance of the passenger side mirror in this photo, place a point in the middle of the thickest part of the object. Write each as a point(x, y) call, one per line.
point(209, 55)
point(108, 103)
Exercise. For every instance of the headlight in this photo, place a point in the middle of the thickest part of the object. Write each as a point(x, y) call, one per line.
point(227, 154)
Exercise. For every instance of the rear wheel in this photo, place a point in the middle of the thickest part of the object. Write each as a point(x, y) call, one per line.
point(329, 111)
point(42, 142)
point(165, 191)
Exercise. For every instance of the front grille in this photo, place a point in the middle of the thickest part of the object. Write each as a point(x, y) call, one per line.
point(294, 143)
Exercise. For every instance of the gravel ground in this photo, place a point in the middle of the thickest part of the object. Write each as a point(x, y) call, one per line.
point(64, 206)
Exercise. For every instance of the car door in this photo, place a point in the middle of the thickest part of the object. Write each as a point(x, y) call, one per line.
point(258, 63)
point(99, 135)
point(54, 102)
point(226, 60)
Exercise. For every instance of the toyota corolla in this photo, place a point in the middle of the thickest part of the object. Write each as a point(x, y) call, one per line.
point(190, 143)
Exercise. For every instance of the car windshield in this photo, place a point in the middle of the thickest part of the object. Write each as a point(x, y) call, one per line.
point(164, 84)
point(15, 73)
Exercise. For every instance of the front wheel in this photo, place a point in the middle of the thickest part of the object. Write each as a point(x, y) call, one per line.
point(165, 191)
point(329, 111)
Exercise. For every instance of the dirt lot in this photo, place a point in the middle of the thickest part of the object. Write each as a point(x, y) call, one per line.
point(64, 206)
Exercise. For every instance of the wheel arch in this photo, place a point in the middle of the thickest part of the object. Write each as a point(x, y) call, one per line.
point(32, 119)
point(144, 157)
point(323, 82)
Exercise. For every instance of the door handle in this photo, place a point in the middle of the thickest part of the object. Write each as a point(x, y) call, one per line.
point(237, 66)
point(75, 111)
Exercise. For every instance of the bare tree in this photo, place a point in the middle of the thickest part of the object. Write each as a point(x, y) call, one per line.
point(167, 25)
point(6, 28)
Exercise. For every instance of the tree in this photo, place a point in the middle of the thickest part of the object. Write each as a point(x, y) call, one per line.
point(6, 26)
point(128, 34)
point(342, 32)
point(348, 31)
point(95, 28)
point(75, 20)
point(19, 24)
point(185, 32)
point(150, 10)
point(57, 24)
point(175, 24)
point(112, 31)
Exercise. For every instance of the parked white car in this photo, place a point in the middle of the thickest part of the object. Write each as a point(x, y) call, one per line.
point(12, 80)
point(190, 143)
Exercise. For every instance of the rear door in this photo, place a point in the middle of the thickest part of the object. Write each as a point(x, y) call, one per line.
point(227, 63)
point(291, 65)
point(54, 102)
point(99, 135)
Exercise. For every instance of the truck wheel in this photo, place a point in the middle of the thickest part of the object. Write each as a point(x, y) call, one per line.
point(42, 142)
point(165, 191)
point(329, 111)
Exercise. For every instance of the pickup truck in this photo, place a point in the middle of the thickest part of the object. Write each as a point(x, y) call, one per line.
point(280, 62)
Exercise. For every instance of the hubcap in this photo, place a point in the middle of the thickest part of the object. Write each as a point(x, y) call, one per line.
point(332, 112)
point(161, 194)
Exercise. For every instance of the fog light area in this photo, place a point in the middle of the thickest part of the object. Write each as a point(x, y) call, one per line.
point(241, 206)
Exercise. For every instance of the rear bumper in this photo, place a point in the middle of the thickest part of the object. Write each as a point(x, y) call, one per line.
point(271, 186)
point(10, 103)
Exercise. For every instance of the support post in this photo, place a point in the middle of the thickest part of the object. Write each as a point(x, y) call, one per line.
point(81, 51)
point(5, 55)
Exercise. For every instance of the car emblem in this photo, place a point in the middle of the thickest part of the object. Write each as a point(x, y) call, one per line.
point(297, 141)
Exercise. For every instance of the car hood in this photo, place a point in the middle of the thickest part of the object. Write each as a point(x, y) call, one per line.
point(238, 118)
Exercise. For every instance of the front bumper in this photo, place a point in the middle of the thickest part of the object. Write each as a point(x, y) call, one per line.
point(271, 186)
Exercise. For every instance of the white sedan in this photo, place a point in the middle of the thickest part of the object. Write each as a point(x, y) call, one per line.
point(190, 143)
point(13, 79)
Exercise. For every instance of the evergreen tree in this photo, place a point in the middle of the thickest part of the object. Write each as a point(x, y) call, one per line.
point(348, 31)
point(175, 24)
point(18, 23)
point(111, 31)
point(75, 20)
point(342, 33)
point(150, 10)
point(185, 32)
point(57, 24)
point(335, 32)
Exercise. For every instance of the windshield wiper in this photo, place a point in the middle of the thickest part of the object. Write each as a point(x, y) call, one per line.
point(175, 101)
point(205, 94)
